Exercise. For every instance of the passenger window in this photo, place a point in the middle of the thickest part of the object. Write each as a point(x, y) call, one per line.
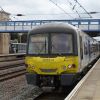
point(86, 48)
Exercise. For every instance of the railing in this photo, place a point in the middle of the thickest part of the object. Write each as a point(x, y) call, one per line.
point(18, 48)
point(25, 26)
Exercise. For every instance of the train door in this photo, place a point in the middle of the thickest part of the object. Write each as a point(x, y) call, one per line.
point(89, 50)
point(86, 51)
point(81, 52)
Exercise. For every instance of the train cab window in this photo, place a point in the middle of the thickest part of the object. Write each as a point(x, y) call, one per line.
point(62, 43)
point(51, 44)
point(38, 44)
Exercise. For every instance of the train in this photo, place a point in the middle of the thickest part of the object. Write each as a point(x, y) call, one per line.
point(57, 54)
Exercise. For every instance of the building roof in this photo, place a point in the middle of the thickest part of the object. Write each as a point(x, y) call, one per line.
point(5, 12)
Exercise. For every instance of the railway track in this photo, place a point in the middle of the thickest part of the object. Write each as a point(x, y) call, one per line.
point(11, 69)
point(11, 64)
point(51, 94)
point(11, 57)
point(12, 75)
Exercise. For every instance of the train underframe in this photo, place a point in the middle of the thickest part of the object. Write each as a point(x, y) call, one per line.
point(51, 80)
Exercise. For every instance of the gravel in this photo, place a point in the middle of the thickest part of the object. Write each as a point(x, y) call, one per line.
point(18, 89)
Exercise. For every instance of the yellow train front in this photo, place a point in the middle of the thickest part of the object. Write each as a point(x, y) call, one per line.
point(53, 57)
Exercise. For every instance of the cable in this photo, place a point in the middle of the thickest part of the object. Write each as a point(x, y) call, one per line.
point(83, 8)
point(61, 9)
point(73, 8)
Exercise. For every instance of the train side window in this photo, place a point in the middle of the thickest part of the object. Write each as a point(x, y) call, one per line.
point(89, 48)
point(81, 48)
point(85, 49)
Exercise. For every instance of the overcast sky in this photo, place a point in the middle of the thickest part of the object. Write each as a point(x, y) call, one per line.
point(45, 9)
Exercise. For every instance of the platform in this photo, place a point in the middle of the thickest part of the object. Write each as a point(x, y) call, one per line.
point(89, 87)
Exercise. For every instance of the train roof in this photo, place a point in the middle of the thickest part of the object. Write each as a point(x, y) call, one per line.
point(53, 27)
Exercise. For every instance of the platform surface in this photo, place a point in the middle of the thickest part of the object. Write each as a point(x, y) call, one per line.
point(90, 89)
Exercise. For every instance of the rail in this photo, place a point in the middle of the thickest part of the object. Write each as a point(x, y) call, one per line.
point(8, 57)
point(11, 69)
point(16, 54)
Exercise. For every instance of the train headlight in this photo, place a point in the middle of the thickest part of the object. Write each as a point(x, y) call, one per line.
point(71, 66)
point(33, 67)
point(30, 66)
